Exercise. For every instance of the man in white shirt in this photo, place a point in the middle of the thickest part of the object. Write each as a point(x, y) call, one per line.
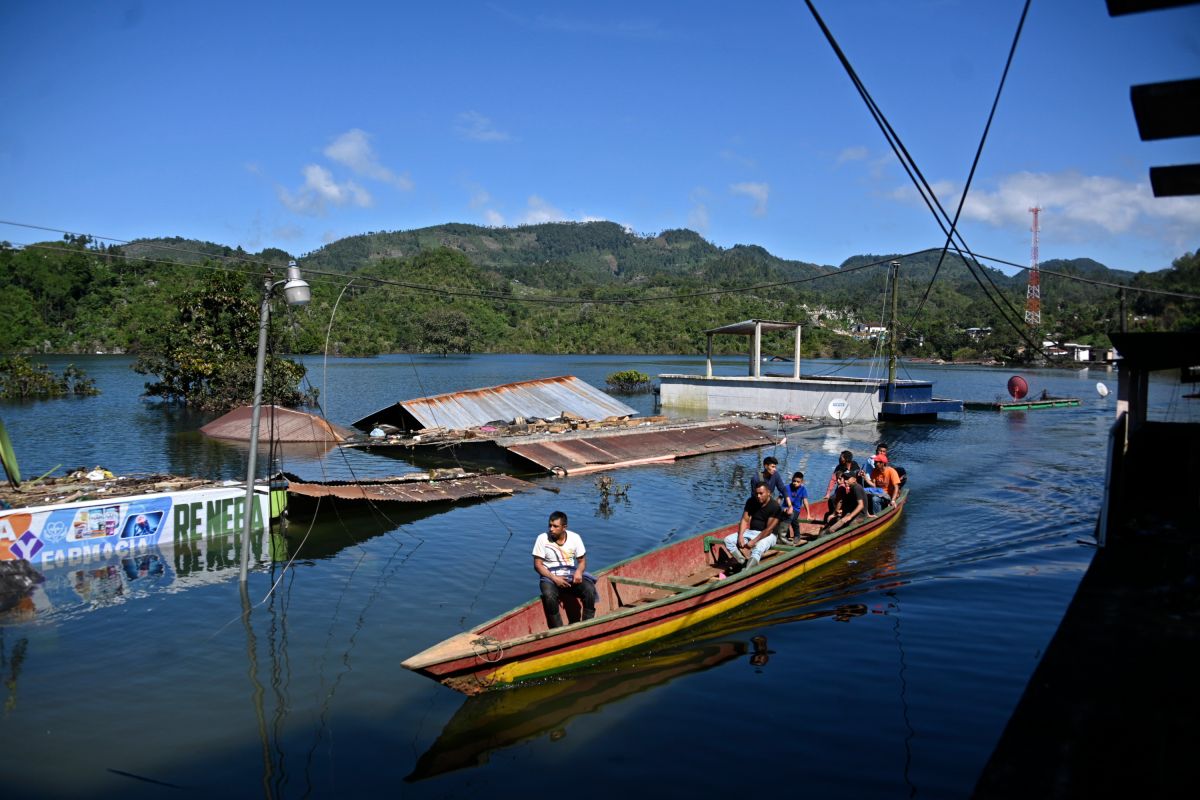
point(560, 558)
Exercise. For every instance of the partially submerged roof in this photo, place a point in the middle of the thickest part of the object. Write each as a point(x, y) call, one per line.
point(543, 398)
point(589, 452)
point(276, 424)
point(746, 327)
point(415, 488)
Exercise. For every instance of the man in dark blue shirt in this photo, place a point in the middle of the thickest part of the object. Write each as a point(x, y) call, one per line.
point(775, 485)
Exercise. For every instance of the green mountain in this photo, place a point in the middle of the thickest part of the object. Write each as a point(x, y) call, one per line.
point(567, 288)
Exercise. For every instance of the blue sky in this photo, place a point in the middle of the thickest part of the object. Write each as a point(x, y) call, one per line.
point(294, 124)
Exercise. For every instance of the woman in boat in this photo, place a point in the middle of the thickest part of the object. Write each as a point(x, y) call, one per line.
point(560, 558)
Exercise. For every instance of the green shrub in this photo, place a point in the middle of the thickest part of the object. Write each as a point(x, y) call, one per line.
point(20, 378)
point(628, 381)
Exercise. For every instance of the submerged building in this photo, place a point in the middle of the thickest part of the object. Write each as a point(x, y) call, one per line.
point(813, 396)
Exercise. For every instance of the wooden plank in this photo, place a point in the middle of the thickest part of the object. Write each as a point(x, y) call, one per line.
point(666, 587)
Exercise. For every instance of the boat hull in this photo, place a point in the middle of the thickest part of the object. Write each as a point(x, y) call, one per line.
point(643, 600)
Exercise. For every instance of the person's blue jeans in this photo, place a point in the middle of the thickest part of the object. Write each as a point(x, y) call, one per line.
point(876, 501)
point(552, 595)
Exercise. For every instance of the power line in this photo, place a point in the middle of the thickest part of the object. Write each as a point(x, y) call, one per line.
point(914, 173)
point(974, 164)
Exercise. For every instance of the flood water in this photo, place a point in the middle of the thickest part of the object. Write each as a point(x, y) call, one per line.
point(890, 673)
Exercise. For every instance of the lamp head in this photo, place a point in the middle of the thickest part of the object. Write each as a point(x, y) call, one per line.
point(296, 291)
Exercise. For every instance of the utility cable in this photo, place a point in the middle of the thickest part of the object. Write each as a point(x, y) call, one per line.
point(974, 163)
point(914, 173)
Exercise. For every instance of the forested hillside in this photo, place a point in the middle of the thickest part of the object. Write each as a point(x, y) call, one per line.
point(562, 288)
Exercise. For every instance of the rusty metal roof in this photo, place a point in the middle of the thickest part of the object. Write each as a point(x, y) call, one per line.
point(416, 488)
point(276, 423)
point(575, 455)
point(545, 398)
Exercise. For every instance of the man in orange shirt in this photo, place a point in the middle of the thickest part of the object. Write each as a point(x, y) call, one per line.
point(885, 478)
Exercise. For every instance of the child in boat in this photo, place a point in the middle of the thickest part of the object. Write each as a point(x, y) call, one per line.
point(798, 497)
point(560, 558)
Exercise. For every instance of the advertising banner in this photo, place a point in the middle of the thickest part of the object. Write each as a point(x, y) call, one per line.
point(73, 533)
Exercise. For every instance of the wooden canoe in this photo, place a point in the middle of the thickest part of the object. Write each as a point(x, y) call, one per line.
point(641, 599)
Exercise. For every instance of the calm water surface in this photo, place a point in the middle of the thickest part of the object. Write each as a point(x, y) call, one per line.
point(890, 673)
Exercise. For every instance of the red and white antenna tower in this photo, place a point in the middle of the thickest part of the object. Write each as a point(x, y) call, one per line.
point(1033, 295)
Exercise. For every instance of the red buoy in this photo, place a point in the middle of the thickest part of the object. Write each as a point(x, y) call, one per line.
point(1017, 387)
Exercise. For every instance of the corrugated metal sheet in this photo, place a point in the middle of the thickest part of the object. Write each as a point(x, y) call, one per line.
point(275, 423)
point(629, 448)
point(411, 489)
point(544, 398)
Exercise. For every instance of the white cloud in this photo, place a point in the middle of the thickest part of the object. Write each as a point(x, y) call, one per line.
point(757, 192)
point(480, 198)
point(320, 190)
point(353, 149)
point(1076, 207)
point(858, 153)
point(698, 218)
point(945, 191)
point(538, 211)
point(476, 127)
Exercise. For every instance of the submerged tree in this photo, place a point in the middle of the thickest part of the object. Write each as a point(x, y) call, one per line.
point(446, 330)
point(629, 381)
point(207, 358)
point(20, 378)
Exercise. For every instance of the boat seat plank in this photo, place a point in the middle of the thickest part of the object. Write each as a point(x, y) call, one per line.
point(666, 587)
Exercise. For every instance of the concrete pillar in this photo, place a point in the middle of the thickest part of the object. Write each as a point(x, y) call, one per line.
point(796, 356)
point(756, 352)
point(708, 358)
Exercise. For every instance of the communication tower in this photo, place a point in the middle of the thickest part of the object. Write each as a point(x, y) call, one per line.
point(1033, 294)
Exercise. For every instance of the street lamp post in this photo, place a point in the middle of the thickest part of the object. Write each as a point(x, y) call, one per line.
point(297, 293)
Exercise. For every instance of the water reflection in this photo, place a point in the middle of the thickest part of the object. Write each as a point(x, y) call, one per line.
point(490, 722)
point(11, 661)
